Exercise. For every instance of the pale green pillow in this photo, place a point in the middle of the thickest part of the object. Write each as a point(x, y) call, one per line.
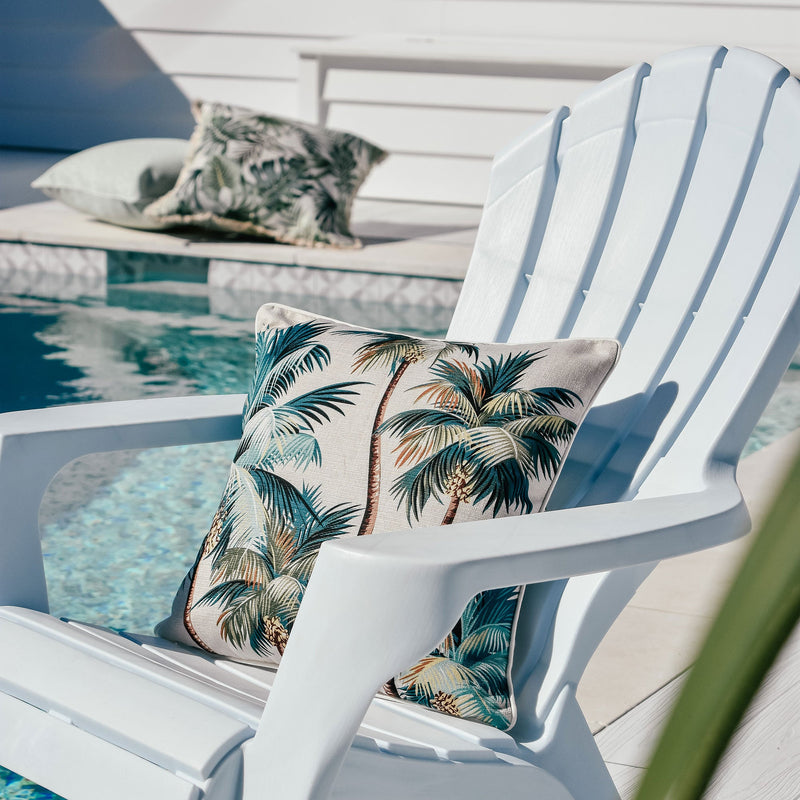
point(115, 181)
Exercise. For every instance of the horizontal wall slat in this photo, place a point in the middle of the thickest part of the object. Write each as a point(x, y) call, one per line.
point(429, 179)
point(213, 15)
point(296, 18)
point(106, 49)
point(465, 91)
point(445, 131)
point(151, 93)
point(43, 12)
point(272, 97)
point(63, 130)
point(254, 56)
point(674, 23)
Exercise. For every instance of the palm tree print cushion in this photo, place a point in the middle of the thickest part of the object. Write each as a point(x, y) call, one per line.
point(255, 174)
point(352, 432)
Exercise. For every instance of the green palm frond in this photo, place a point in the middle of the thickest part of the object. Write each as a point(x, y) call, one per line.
point(280, 548)
point(502, 374)
point(504, 485)
point(545, 455)
point(549, 426)
point(283, 374)
point(281, 598)
point(475, 705)
point(551, 398)
point(279, 423)
point(258, 431)
point(329, 524)
point(326, 207)
point(423, 430)
point(282, 355)
point(225, 594)
point(434, 674)
point(490, 446)
point(456, 386)
point(301, 567)
point(242, 622)
point(496, 607)
point(278, 496)
point(218, 174)
point(314, 405)
point(412, 419)
point(520, 403)
point(384, 350)
point(484, 642)
point(298, 449)
point(243, 511)
point(342, 164)
point(448, 348)
point(242, 564)
point(239, 619)
point(489, 674)
point(417, 485)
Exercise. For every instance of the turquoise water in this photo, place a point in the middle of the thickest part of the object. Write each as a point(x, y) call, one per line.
point(145, 512)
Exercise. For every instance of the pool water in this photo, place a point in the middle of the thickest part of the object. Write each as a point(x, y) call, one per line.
point(69, 339)
point(144, 513)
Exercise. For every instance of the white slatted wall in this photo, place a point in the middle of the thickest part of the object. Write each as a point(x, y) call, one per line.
point(78, 73)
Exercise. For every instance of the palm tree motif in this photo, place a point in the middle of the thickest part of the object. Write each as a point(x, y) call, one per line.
point(466, 675)
point(395, 353)
point(275, 434)
point(482, 438)
point(260, 579)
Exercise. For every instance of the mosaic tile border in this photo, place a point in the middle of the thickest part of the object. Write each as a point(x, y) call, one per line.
point(334, 283)
point(86, 271)
point(65, 273)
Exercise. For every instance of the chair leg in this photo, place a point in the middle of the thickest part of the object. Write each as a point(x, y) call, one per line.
point(568, 751)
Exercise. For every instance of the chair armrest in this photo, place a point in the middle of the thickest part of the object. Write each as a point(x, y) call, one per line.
point(36, 444)
point(376, 604)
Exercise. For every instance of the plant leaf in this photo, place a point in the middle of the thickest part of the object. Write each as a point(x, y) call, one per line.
point(761, 610)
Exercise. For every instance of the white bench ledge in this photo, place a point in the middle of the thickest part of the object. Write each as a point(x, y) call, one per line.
point(490, 51)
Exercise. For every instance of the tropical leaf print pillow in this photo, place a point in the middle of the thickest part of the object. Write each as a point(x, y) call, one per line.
point(256, 174)
point(351, 432)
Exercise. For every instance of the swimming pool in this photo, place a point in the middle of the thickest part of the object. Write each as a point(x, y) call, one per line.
point(140, 333)
point(144, 512)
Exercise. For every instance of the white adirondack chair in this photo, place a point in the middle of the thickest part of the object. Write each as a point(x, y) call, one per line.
point(661, 211)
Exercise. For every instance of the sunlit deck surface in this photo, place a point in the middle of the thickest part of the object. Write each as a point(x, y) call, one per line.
point(637, 671)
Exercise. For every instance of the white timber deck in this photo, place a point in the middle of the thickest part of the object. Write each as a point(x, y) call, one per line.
point(637, 672)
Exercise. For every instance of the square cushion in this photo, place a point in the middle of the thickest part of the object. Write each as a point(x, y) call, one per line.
point(350, 432)
point(115, 181)
point(256, 174)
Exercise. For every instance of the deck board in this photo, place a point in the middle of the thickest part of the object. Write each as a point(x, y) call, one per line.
point(763, 760)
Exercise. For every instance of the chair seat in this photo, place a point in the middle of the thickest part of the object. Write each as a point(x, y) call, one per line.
point(185, 710)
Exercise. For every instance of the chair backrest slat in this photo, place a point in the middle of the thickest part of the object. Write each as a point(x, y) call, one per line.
point(764, 343)
point(593, 159)
point(666, 305)
point(665, 214)
point(516, 212)
point(745, 265)
point(670, 122)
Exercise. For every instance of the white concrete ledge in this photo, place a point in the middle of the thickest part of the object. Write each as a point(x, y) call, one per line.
point(414, 239)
